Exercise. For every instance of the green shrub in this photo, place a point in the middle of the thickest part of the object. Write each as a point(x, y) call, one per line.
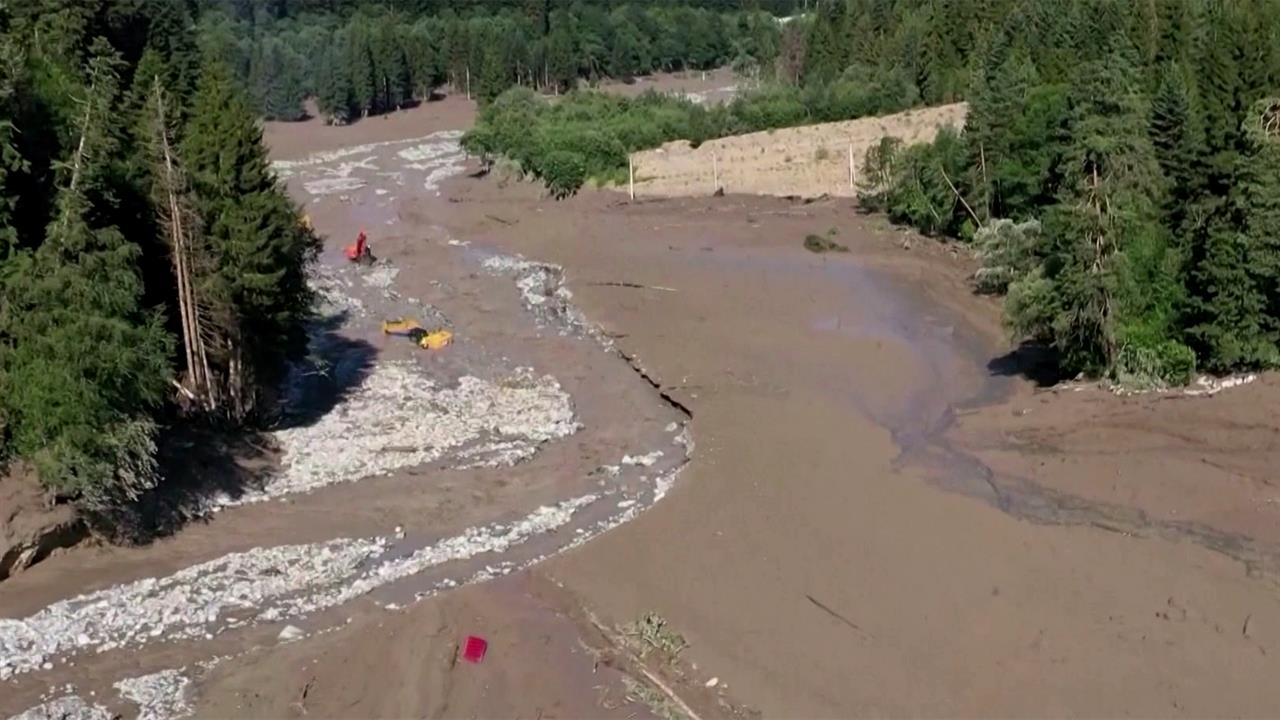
point(1158, 365)
point(819, 244)
point(1007, 251)
point(563, 172)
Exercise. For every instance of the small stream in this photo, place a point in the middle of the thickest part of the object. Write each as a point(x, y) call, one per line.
point(957, 379)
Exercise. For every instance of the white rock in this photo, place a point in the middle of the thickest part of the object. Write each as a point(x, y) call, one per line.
point(642, 460)
point(159, 696)
point(290, 633)
point(65, 708)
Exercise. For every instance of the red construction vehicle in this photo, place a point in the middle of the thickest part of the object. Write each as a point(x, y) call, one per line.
point(358, 251)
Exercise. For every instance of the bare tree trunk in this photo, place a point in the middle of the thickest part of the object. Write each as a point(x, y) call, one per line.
point(235, 377)
point(77, 161)
point(179, 226)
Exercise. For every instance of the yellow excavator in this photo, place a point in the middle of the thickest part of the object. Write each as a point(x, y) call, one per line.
point(424, 338)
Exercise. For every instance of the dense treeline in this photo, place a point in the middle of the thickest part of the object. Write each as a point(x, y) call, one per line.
point(536, 9)
point(150, 266)
point(1119, 173)
point(377, 60)
point(841, 62)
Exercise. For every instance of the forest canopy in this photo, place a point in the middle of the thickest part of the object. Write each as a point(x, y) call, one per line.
point(381, 57)
point(151, 268)
point(1121, 166)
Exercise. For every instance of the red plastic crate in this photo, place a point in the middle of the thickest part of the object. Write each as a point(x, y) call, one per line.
point(474, 648)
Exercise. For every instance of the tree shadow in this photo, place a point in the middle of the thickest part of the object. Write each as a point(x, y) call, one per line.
point(201, 464)
point(204, 463)
point(335, 367)
point(1032, 361)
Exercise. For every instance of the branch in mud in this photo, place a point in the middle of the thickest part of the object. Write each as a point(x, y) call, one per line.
point(620, 645)
point(636, 286)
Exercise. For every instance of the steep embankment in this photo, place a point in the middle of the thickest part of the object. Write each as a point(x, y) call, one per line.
point(807, 161)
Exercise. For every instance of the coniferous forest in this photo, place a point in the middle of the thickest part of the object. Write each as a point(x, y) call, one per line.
point(387, 55)
point(151, 268)
point(1119, 178)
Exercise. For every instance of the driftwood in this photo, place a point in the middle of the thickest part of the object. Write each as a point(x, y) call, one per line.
point(636, 286)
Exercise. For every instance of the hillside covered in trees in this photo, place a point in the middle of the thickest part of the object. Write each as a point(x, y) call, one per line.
point(151, 269)
point(366, 58)
point(844, 60)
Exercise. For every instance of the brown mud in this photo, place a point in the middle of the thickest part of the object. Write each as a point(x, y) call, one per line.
point(881, 515)
point(807, 554)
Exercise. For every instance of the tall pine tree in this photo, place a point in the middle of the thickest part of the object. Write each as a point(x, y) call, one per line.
point(86, 363)
point(1236, 280)
point(262, 251)
point(1110, 299)
point(1177, 132)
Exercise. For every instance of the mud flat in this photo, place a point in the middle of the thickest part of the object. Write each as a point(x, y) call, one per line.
point(402, 473)
point(867, 527)
point(842, 542)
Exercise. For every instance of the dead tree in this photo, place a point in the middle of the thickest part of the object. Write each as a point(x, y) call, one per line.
point(182, 226)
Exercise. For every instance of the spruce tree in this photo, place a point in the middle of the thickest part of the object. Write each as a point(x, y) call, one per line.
point(998, 105)
point(11, 161)
point(822, 57)
point(360, 66)
point(261, 249)
point(170, 36)
point(561, 67)
point(492, 76)
point(1220, 92)
point(333, 91)
point(1237, 276)
point(391, 68)
point(426, 70)
point(275, 78)
point(87, 363)
point(198, 292)
point(1177, 133)
point(1110, 297)
point(1260, 191)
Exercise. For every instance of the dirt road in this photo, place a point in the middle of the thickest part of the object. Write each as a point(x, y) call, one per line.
point(880, 515)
